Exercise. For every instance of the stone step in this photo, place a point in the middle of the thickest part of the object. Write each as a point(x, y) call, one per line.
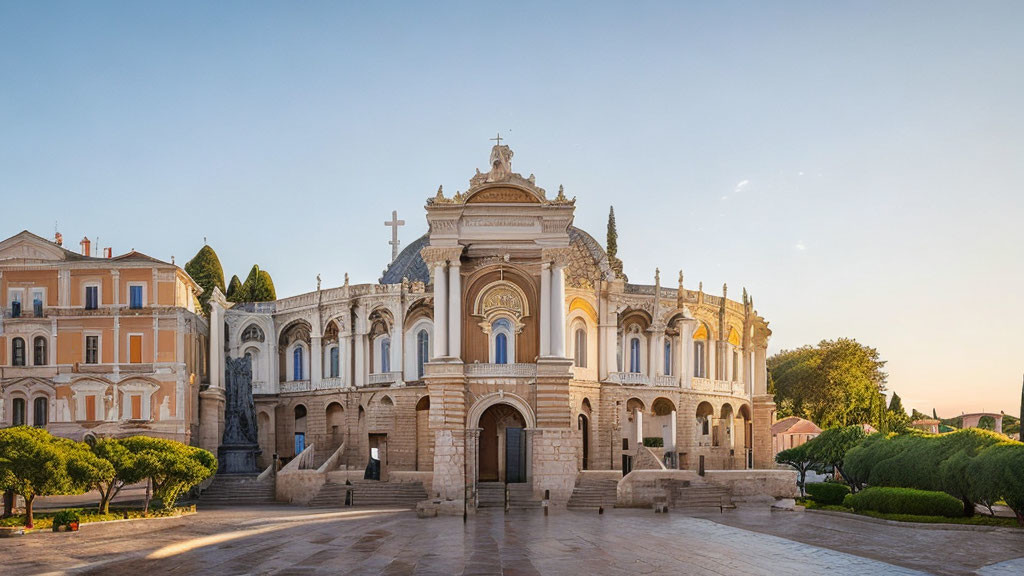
point(371, 493)
point(236, 489)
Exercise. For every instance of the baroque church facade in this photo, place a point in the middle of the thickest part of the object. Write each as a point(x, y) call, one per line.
point(501, 346)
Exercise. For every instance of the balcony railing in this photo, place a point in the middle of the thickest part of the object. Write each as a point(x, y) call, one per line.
point(666, 380)
point(383, 378)
point(516, 370)
point(630, 378)
point(722, 386)
point(295, 386)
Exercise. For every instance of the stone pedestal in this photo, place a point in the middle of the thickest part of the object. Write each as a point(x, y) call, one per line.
point(764, 417)
point(211, 418)
point(238, 458)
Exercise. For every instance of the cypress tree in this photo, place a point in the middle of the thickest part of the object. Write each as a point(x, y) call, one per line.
point(897, 414)
point(233, 286)
point(612, 245)
point(935, 415)
point(258, 287)
point(206, 270)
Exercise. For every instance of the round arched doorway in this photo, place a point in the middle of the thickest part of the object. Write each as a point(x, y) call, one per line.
point(502, 452)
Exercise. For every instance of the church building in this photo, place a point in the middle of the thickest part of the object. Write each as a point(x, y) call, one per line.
point(501, 346)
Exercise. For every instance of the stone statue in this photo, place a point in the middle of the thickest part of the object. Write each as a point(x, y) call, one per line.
point(240, 445)
point(501, 163)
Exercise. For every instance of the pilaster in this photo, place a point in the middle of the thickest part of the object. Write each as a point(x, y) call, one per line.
point(764, 417)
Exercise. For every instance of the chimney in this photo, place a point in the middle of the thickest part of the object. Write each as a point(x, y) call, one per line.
point(108, 252)
point(58, 239)
point(86, 246)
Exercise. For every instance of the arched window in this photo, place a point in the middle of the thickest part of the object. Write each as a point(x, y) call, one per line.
point(501, 331)
point(580, 348)
point(698, 359)
point(634, 355)
point(297, 363)
point(41, 412)
point(335, 363)
point(385, 354)
point(39, 351)
point(422, 351)
point(18, 352)
point(18, 412)
point(668, 357)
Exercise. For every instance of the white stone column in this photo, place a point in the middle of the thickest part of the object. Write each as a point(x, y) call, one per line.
point(760, 371)
point(638, 429)
point(398, 345)
point(654, 355)
point(686, 346)
point(545, 309)
point(316, 360)
point(345, 358)
point(711, 354)
point(440, 311)
point(602, 338)
point(455, 309)
point(670, 442)
point(558, 310)
point(611, 344)
point(359, 353)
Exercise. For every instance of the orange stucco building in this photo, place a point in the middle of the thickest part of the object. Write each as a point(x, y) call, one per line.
point(109, 346)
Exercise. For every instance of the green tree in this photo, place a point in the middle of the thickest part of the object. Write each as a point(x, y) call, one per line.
point(833, 384)
point(233, 287)
point(935, 415)
point(798, 458)
point(897, 415)
point(997, 471)
point(829, 448)
point(206, 270)
point(126, 469)
point(171, 467)
point(612, 245)
point(33, 464)
point(258, 287)
point(958, 451)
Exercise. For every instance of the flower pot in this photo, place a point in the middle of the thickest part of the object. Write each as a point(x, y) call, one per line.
point(73, 527)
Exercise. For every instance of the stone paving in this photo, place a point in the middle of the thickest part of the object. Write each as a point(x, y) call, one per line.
point(295, 541)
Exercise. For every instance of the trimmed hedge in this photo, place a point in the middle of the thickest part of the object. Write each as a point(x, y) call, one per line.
point(905, 501)
point(827, 492)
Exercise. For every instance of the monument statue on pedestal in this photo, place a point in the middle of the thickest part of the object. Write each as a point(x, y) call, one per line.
point(239, 445)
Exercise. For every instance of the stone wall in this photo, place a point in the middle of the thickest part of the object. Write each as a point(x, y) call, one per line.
point(449, 465)
point(555, 464)
point(744, 484)
point(298, 486)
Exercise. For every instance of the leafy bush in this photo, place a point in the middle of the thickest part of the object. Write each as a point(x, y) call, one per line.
point(827, 492)
point(66, 517)
point(905, 501)
point(654, 442)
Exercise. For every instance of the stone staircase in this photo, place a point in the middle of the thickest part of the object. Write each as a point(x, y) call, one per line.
point(490, 495)
point(591, 492)
point(520, 497)
point(699, 497)
point(238, 490)
point(367, 493)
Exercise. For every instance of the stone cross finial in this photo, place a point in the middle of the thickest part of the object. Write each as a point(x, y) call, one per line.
point(394, 224)
point(497, 139)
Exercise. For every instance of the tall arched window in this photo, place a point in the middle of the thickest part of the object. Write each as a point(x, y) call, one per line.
point(18, 412)
point(335, 368)
point(297, 363)
point(634, 355)
point(18, 352)
point(422, 351)
point(698, 359)
point(501, 331)
point(668, 357)
point(580, 348)
point(41, 412)
point(39, 351)
point(385, 354)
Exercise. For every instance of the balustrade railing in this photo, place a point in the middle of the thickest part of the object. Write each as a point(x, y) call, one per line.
point(295, 386)
point(630, 378)
point(666, 380)
point(383, 378)
point(517, 370)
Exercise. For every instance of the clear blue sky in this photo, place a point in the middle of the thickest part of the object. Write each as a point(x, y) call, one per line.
point(857, 167)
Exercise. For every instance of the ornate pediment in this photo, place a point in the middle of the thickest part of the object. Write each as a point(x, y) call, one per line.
point(28, 246)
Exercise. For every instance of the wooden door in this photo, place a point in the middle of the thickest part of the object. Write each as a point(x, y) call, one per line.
point(135, 348)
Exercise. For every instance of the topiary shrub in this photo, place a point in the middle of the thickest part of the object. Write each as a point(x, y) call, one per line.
point(828, 492)
point(905, 501)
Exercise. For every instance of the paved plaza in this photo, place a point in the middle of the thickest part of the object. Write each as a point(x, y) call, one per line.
point(287, 540)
